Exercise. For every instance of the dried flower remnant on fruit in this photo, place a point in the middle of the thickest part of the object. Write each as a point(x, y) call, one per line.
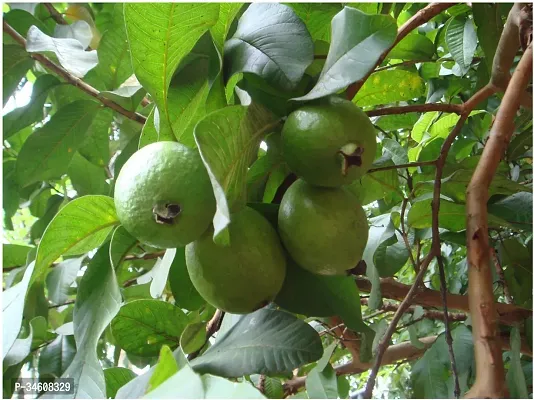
point(166, 214)
point(352, 156)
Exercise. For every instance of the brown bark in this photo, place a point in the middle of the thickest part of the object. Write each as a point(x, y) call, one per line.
point(507, 314)
point(490, 376)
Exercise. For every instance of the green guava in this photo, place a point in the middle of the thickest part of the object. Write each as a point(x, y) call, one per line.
point(243, 276)
point(163, 195)
point(329, 143)
point(324, 229)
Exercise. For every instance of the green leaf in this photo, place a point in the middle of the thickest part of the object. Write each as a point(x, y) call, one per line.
point(152, 133)
point(15, 62)
point(273, 388)
point(515, 209)
point(183, 384)
point(173, 28)
point(219, 31)
point(430, 372)
point(48, 151)
point(95, 147)
point(451, 216)
point(228, 141)
point(422, 126)
point(20, 349)
point(57, 356)
point(121, 243)
point(519, 145)
point(391, 255)
point(12, 309)
point(339, 296)
point(376, 185)
point(70, 52)
point(489, 29)
point(322, 384)
point(115, 65)
point(87, 178)
point(263, 342)
point(82, 225)
point(164, 369)
point(97, 302)
point(61, 277)
point(390, 86)
point(317, 17)
point(117, 377)
point(22, 117)
point(397, 121)
point(52, 206)
point(14, 255)
point(223, 388)
point(193, 337)
point(355, 36)
point(461, 39)
point(413, 47)
point(184, 293)
point(142, 327)
point(393, 149)
point(515, 378)
point(260, 46)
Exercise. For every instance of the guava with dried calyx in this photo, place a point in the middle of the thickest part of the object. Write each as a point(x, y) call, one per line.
point(329, 143)
point(163, 195)
point(324, 230)
point(246, 274)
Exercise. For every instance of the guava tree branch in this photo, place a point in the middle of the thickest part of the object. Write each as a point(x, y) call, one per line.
point(420, 17)
point(56, 16)
point(507, 314)
point(489, 380)
point(71, 79)
point(400, 166)
point(449, 108)
point(434, 251)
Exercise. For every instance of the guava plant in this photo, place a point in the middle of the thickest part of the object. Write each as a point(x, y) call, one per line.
point(267, 200)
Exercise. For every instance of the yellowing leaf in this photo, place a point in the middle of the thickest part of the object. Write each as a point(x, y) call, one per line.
point(390, 86)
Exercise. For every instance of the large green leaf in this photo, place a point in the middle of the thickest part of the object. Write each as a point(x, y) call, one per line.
point(160, 35)
point(142, 326)
point(452, 216)
point(413, 47)
point(165, 368)
point(121, 243)
point(70, 52)
point(115, 65)
point(22, 117)
point(389, 87)
point(358, 40)
point(461, 39)
point(87, 178)
point(515, 377)
point(515, 209)
point(57, 356)
point(184, 293)
point(321, 382)
point(117, 377)
point(97, 302)
point(80, 226)
point(228, 141)
point(317, 17)
point(48, 151)
point(15, 63)
point(260, 45)
point(95, 147)
point(321, 296)
point(227, 14)
point(489, 28)
point(430, 373)
point(12, 309)
point(264, 342)
point(61, 277)
point(14, 255)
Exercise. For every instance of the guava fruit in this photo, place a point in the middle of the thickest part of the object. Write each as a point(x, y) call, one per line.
point(329, 143)
point(244, 275)
point(163, 195)
point(324, 229)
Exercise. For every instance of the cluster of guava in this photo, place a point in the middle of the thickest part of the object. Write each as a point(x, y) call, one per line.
point(164, 198)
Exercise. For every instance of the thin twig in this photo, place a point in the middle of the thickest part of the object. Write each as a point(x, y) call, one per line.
point(80, 84)
point(449, 108)
point(56, 16)
point(405, 235)
point(412, 62)
point(399, 166)
point(490, 374)
point(62, 304)
point(420, 17)
point(448, 336)
point(434, 251)
point(500, 274)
